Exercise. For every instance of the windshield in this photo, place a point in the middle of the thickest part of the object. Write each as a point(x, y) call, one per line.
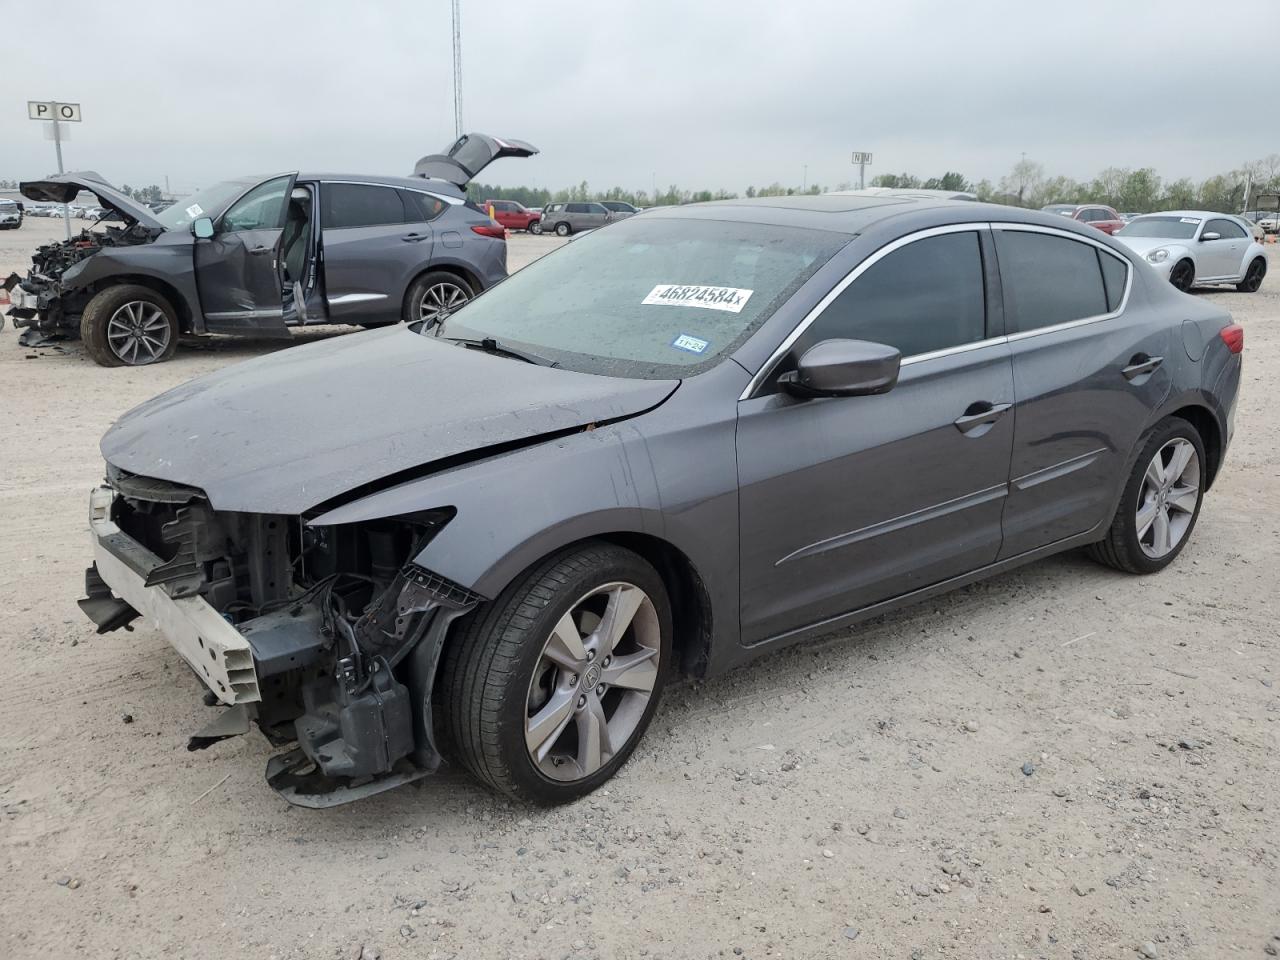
point(1161, 228)
point(652, 298)
point(205, 203)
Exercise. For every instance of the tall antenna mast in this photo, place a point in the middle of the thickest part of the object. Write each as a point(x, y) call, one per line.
point(457, 68)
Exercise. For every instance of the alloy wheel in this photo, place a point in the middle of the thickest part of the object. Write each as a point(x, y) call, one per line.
point(592, 682)
point(138, 332)
point(1183, 275)
point(1253, 277)
point(1168, 497)
point(439, 300)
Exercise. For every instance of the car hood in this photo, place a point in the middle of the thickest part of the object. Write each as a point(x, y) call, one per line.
point(287, 432)
point(64, 187)
point(1147, 244)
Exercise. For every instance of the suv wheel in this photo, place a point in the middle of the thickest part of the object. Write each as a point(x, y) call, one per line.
point(563, 230)
point(536, 228)
point(1160, 503)
point(549, 688)
point(129, 325)
point(435, 295)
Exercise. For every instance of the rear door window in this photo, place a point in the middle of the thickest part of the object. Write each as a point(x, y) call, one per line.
point(359, 205)
point(925, 296)
point(1048, 279)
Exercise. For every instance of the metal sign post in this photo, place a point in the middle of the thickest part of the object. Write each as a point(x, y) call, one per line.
point(862, 159)
point(56, 113)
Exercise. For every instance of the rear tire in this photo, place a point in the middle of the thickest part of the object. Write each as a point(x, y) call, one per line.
point(1253, 276)
point(434, 295)
point(563, 230)
point(547, 721)
point(129, 325)
point(1183, 275)
point(1159, 507)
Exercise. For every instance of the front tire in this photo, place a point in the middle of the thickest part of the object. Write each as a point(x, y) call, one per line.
point(1183, 275)
point(1253, 276)
point(548, 689)
point(563, 230)
point(129, 325)
point(1161, 501)
point(536, 228)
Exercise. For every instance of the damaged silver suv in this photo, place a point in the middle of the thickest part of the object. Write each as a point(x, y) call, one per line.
point(256, 256)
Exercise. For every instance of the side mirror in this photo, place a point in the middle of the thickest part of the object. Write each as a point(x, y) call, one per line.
point(844, 368)
point(1210, 236)
point(202, 228)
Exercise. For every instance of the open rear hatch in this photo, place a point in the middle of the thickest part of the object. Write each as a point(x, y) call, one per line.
point(468, 156)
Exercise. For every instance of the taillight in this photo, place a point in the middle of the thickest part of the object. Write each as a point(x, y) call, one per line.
point(1233, 337)
point(495, 230)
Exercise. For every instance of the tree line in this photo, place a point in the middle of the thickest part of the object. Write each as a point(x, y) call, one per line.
point(1140, 190)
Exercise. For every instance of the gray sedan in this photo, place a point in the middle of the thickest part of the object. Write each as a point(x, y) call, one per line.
point(678, 444)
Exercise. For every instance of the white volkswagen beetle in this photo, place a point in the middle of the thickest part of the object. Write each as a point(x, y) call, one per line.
point(1192, 247)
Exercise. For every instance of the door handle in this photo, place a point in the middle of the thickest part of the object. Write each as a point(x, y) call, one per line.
point(1140, 364)
point(414, 237)
point(258, 251)
point(980, 414)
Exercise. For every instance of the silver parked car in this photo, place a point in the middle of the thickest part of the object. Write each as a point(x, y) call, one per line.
point(569, 218)
point(620, 208)
point(1190, 247)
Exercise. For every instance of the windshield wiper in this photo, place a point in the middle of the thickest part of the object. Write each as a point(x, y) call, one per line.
point(490, 345)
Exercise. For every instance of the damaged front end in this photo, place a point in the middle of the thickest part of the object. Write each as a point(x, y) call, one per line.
point(326, 637)
point(49, 300)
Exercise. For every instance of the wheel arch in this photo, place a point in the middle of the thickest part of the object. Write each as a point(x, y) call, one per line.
point(165, 289)
point(1206, 424)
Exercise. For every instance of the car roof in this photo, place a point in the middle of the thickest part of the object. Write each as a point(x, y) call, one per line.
point(408, 183)
point(852, 213)
point(1198, 214)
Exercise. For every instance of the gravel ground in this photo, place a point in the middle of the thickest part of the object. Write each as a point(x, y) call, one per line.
point(1061, 762)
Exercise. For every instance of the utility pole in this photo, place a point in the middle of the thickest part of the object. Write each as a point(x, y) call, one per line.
point(804, 184)
point(457, 68)
point(57, 147)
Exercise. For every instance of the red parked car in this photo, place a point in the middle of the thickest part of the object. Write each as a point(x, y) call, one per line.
point(1094, 214)
point(512, 215)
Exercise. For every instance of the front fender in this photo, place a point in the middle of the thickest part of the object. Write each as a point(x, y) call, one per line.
point(167, 265)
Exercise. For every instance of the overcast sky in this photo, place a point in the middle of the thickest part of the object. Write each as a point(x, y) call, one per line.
point(702, 94)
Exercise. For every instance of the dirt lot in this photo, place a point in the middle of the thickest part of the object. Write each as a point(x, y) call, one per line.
point(863, 796)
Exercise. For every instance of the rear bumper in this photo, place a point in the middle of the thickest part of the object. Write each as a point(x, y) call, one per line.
point(217, 652)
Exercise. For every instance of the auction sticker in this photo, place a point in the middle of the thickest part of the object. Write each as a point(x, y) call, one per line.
point(692, 344)
point(729, 299)
point(194, 211)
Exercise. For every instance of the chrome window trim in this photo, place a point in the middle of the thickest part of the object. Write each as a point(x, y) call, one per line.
point(452, 201)
point(788, 342)
point(767, 368)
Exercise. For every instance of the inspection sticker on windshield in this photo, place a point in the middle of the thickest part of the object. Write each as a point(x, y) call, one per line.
point(194, 211)
point(1190, 220)
point(730, 299)
point(692, 344)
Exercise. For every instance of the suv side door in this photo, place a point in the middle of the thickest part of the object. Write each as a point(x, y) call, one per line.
point(1088, 375)
point(848, 501)
point(237, 269)
point(376, 239)
point(1223, 257)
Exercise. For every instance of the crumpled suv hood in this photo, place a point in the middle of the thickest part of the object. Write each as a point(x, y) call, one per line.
point(64, 187)
point(286, 432)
